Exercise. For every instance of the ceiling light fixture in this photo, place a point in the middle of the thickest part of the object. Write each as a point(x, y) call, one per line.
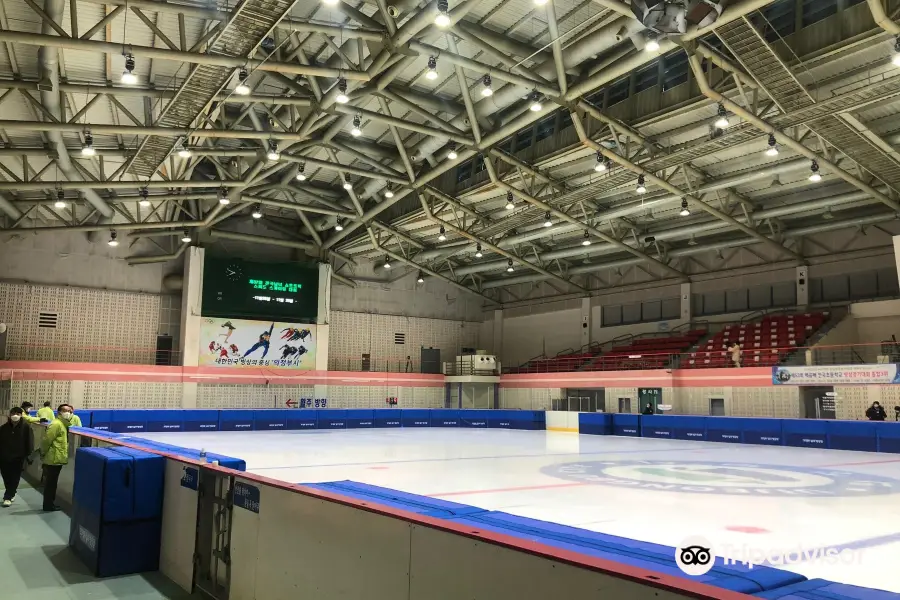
point(540, 2)
point(342, 97)
point(442, 237)
point(301, 176)
point(420, 278)
point(183, 151)
point(388, 193)
point(387, 263)
point(128, 76)
point(338, 226)
point(145, 200)
point(587, 239)
point(509, 266)
point(87, 148)
point(601, 165)
point(510, 201)
point(685, 211)
point(452, 155)
point(536, 105)
point(814, 176)
point(242, 89)
point(722, 120)
point(273, 153)
point(443, 17)
point(478, 253)
point(60, 199)
point(223, 197)
point(487, 90)
point(652, 44)
point(331, 2)
point(357, 129)
point(257, 212)
point(641, 188)
point(186, 238)
point(547, 221)
point(772, 149)
point(112, 239)
point(432, 68)
point(348, 185)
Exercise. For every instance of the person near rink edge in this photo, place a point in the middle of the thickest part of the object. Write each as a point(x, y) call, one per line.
point(876, 412)
point(55, 453)
point(76, 420)
point(648, 410)
point(26, 408)
point(16, 442)
point(45, 414)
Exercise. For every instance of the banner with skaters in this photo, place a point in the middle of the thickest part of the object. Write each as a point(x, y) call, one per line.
point(270, 344)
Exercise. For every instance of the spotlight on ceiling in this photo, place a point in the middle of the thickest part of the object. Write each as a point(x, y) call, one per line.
point(257, 212)
point(145, 200)
point(273, 153)
point(342, 97)
point(641, 188)
point(128, 76)
point(587, 239)
point(722, 118)
point(242, 89)
point(536, 105)
point(388, 193)
point(478, 253)
point(652, 44)
point(357, 126)
point(442, 236)
point(772, 149)
point(186, 237)
point(60, 199)
point(487, 90)
point(685, 211)
point(432, 69)
point(338, 226)
point(547, 221)
point(87, 148)
point(443, 17)
point(112, 239)
point(420, 278)
point(301, 176)
point(510, 201)
point(509, 266)
point(387, 263)
point(452, 155)
point(223, 197)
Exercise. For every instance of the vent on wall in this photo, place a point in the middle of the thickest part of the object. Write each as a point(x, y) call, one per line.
point(47, 320)
point(399, 338)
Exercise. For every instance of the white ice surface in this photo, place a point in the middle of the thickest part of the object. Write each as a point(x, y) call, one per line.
point(837, 502)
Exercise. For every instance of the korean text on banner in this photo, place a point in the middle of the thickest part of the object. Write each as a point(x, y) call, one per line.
point(270, 344)
point(836, 375)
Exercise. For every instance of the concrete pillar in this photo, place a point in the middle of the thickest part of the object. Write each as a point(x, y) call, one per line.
point(802, 279)
point(191, 309)
point(585, 321)
point(686, 312)
point(323, 318)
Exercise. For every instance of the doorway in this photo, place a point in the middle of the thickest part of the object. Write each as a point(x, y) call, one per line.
point(717, 407)
point(817, 402)
point(625, 405)
point(651, 396)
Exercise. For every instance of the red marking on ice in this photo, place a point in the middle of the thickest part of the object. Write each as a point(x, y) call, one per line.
point(746, 529)
point(377, 468)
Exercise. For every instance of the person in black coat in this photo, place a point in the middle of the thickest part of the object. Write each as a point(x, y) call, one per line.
point(876, 412)
point(16, 444)
point(648, 410)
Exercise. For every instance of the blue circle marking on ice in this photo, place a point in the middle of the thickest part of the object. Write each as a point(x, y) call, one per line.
point(731, 478)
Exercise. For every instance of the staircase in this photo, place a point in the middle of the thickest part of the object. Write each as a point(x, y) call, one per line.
point(746, 41)
point(249, 24)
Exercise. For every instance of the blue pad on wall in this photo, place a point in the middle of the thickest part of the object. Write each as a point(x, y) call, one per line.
point(119, 484)
point(423, 505)
point(820, 589)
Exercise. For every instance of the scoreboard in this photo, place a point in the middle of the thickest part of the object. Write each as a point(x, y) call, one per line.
point(233, 287)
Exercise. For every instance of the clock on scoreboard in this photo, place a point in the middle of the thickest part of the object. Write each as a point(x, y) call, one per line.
point(233, 287)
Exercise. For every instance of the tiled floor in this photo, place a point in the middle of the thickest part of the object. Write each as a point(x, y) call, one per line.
point(755, 497)
point(36, 563)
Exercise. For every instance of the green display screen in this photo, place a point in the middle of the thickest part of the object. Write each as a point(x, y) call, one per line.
point(238, 288)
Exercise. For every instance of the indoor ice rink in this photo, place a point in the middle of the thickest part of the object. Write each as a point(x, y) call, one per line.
point(449, 299)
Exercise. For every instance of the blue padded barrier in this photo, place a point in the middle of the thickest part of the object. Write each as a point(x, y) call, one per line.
point(805, 433)
point(332, 418)
point(302, 419)
point(118, 548)
point(627, 425)
point(474, 418)
point(766, 432)
point(852, 435)
point(164, 420)
point(101, 420)
point(645, 555)
point(531, 420)
point(725, 429)
point(360, 418)
point(236, 420)
point(820, 589)
point(888, 437)
point(415, 417)
point(689, 427)
point(269, 419)
point(595, 423)
point(201, 420)
point(119, 484)
point(503, 419)
point(423, 505)
point(226, 461)
point(85, 416)
point(129, 421)
point(388, 417)
point(657, 426)
point(445, 417)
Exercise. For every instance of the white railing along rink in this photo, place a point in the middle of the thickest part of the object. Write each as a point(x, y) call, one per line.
point(305, 543)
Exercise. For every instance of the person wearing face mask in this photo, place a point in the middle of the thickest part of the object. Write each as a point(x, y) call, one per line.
point(26, 408)
point(876, 412)
point(55, 453)
point(16, 442)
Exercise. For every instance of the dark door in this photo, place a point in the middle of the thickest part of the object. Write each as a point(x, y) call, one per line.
point(651, 396)
point(164, 345)
point(717, 407)
point(431, 360)
point(817, 402)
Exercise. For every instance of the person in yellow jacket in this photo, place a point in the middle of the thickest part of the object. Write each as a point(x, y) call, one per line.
point(45, 414)
point(55, 453)
point(76, 420)
point(26, 408)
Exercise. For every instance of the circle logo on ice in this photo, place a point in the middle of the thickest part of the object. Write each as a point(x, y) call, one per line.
point(738, 479)
point(695, 556)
